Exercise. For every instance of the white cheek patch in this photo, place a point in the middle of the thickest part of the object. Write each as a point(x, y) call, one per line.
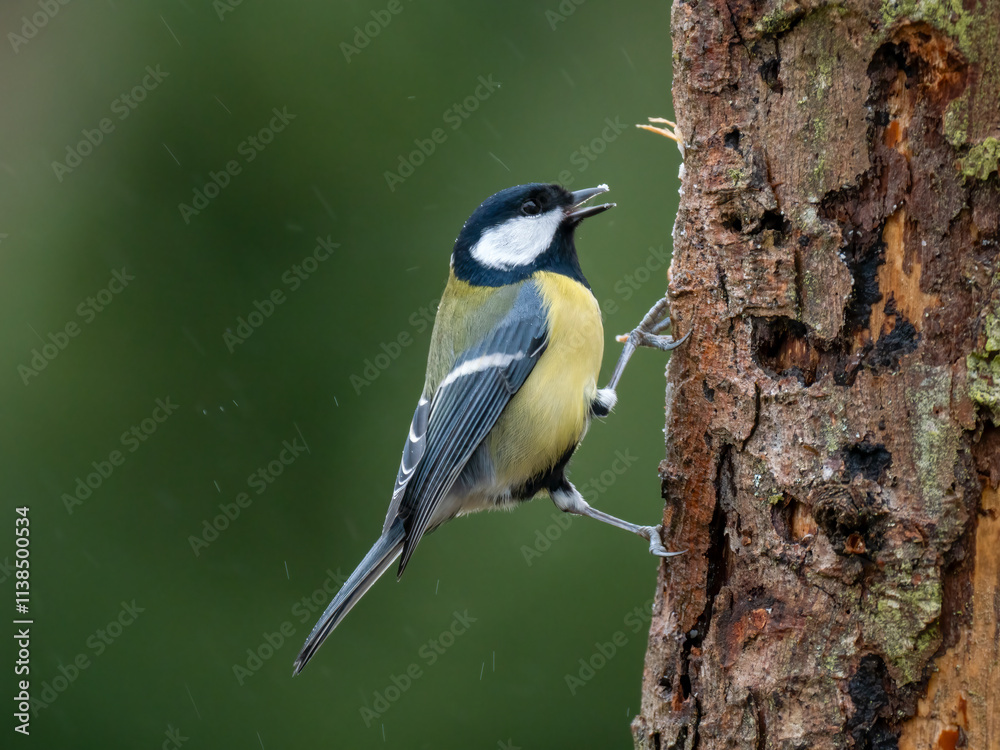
point(518, 241)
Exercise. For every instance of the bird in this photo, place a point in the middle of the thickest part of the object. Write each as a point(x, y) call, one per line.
point(511, 382)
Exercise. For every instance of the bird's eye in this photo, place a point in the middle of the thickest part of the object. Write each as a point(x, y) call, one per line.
point(530, 208)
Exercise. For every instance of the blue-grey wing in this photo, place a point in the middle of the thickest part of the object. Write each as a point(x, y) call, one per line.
point(413, 451)
point(464, 408)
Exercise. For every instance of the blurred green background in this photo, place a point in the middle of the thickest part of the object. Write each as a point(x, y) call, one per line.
point(179, 671)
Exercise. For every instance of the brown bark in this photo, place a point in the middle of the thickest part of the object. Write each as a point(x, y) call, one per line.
point(833, 424)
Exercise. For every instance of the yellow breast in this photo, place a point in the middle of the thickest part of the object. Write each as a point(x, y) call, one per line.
point(550, 413)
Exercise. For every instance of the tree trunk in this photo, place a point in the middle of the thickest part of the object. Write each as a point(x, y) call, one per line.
point(833, 424)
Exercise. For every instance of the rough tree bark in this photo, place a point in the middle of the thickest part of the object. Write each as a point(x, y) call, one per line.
point(833, 424)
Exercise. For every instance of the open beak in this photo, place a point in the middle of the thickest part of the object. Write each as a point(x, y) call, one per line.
point(577, 213)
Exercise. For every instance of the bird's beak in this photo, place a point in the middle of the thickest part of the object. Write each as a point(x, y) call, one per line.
point(576, 214)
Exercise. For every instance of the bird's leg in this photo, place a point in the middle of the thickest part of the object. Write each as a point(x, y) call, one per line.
point(569, 500)
point(645, 334)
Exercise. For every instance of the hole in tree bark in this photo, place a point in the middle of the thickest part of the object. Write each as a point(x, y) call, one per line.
point(870, 461)
point(769, 71)
point(685, 685)
point(733, 223)
point(780, 346)
point(774, 220)
point(844, 511)
point(793, 521)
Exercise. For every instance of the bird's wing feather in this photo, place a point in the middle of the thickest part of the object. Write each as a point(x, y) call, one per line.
point(464, 408)
point(413, 451)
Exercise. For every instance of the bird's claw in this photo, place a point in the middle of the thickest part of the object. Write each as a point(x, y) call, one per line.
point(647, 333)
point(661, 326)
point(654, 321)
point(652, 533)
point(648, 330)
point(643, 338)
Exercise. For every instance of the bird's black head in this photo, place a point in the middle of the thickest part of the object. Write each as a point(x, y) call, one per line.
point(521, 230)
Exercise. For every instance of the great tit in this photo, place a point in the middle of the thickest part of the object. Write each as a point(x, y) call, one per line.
point(511, 382)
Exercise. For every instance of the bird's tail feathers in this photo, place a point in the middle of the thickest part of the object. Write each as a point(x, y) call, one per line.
point(382, 554)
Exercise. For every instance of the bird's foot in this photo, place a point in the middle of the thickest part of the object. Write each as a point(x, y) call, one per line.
point(652, 533)
point(648, 330)
point(663, 343)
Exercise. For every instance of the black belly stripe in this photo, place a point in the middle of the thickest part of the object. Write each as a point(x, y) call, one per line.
point(598, 409)
point(551, 479)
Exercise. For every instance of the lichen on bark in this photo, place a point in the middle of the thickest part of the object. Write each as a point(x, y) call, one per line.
point(982, 160)
point(984, 361)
